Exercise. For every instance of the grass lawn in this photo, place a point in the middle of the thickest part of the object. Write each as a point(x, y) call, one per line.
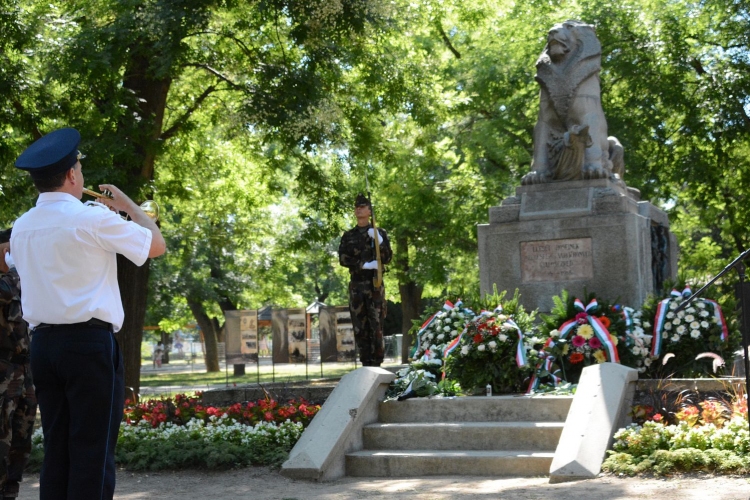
point(267, 374)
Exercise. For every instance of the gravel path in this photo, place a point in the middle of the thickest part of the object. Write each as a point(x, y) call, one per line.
point(261, 483)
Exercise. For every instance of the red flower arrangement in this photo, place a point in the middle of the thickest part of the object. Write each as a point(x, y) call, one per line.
point(182, 409)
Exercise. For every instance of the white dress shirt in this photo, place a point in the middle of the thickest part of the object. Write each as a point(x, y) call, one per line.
point(65, 253)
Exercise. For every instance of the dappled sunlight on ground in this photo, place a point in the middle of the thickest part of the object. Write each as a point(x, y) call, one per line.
point(263, 483)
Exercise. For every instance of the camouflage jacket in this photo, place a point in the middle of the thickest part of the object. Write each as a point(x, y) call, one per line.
point(14, 331)
point(357, 248)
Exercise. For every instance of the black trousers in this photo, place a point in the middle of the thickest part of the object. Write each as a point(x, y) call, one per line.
point(78, 373)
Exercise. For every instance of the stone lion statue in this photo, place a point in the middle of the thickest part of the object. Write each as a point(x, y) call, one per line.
point(570, 137)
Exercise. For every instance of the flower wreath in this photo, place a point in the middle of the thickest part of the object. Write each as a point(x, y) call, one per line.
point(582, 339)
point(635, 351)
point(489, 328)
point(440, 329)
point(494, 348)
point(696, 321)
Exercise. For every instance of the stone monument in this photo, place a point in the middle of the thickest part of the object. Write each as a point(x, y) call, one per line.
point(573, 223)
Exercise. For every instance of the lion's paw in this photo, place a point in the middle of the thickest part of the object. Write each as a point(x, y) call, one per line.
point(595, 171)
point(535, 178)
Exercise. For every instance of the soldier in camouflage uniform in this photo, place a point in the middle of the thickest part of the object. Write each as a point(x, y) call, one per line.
point(18, 407)
point(366, 303)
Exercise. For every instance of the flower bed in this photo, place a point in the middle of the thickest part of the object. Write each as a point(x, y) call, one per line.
point(683, 434)
point(181, 433)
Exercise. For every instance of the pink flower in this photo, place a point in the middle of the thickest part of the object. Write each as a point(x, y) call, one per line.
point(578, 341)
point(595, 343)
point(582, 318)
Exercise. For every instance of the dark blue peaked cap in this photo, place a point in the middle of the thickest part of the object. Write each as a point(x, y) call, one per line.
point(54, 153)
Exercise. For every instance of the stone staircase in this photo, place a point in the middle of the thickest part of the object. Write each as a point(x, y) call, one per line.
point(477, 436)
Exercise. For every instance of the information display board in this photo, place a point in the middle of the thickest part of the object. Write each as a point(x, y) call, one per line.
point(241, 335)
point(336, 334)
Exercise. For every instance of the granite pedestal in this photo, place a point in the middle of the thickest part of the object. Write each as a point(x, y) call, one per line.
point(593, 235)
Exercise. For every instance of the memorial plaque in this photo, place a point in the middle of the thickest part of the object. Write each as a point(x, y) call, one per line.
point(556, 260)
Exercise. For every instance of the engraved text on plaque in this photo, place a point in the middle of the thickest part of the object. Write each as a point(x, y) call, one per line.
point(556, 260)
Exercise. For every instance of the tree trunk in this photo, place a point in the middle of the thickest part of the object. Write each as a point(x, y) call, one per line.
point(133, 281)
point(166, 339)
point(411, 302)
point(210, 335)
point(410, 292)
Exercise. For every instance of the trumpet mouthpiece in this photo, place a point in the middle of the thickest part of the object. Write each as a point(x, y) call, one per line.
point(95, 194)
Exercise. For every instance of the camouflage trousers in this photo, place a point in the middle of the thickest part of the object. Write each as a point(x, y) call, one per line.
point(17, 414)
point(368, 308)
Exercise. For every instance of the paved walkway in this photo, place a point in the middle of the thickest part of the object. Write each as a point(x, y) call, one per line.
point(261, 483)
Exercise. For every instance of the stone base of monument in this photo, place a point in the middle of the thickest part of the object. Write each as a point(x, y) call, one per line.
point(593, 235)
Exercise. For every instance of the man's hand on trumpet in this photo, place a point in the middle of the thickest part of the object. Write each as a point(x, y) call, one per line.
point(120, 202)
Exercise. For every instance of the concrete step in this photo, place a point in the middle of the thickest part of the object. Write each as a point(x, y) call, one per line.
point(395, 463)
point(477, 409)
point(537, 436)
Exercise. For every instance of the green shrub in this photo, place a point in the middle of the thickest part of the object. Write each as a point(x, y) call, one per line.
point(666, 449)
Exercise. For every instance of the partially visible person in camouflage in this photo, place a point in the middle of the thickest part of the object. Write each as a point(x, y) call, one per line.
point(18, 407)
point(366, 303)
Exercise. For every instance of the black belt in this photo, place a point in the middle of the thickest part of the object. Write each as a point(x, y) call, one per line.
point(92, 322)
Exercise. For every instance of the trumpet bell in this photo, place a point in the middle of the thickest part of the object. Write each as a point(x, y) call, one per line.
point(151, 208)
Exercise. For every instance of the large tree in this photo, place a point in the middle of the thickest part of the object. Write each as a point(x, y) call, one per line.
point(131, 75)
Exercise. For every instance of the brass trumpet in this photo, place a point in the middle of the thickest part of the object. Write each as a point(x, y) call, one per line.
point(149, 207)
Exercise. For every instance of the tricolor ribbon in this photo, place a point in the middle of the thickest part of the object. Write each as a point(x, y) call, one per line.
point(659, 319)
point(452, 346)
point(424, 326)
point(719, 315)
point(520, 348)
point(546, 364)
point(627, 314)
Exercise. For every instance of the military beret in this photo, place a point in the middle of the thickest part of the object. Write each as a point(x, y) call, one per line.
point(52, 154)
point(362, 200)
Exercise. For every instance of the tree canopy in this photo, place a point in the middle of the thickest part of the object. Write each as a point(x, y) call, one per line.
point(254, 124)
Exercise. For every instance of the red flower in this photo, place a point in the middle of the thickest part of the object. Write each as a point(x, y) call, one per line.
point(478, 338)
point(268, 416)
point(595, 343)
point(605, 321)
point(582, 318)
point(657, 417)
point(578, 341)
point(576, 357)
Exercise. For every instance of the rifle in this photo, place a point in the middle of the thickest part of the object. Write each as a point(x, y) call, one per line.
point(378, 279)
